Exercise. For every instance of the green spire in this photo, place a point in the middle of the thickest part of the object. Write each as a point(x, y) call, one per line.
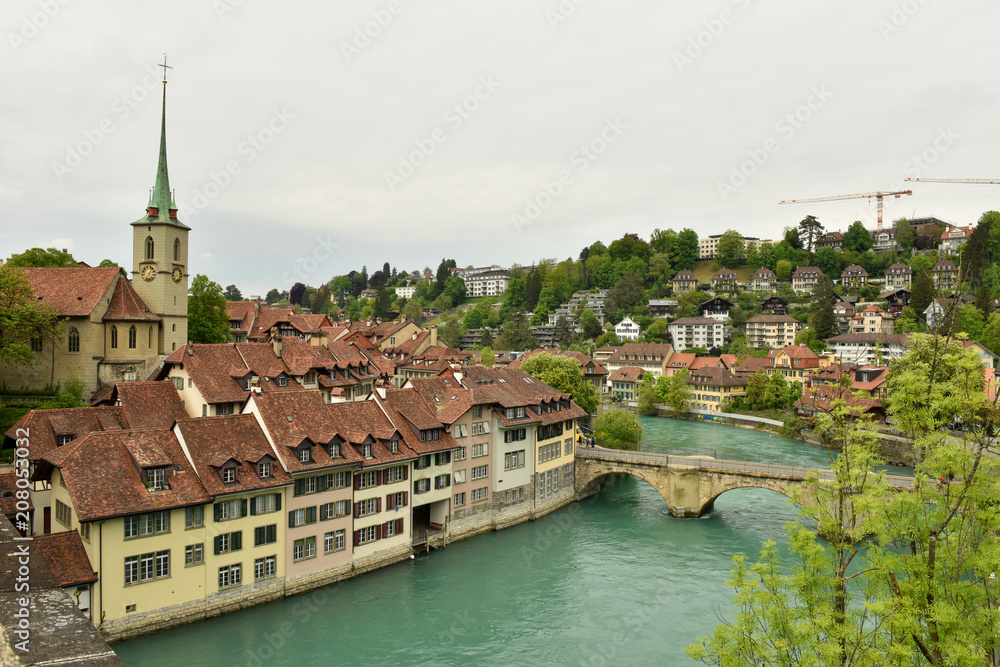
point(161, 191)
point(161, 207)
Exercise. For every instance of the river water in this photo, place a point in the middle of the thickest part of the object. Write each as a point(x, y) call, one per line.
point(610, 580)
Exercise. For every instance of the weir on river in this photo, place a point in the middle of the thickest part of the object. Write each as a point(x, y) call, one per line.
point(613, 579)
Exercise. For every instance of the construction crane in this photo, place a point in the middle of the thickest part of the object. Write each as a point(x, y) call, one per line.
point(863, 195)
point(980, 181)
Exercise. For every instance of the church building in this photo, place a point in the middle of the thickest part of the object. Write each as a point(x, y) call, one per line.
point(116, 330)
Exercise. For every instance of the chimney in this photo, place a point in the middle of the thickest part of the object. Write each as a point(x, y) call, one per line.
point(414, 336)
point(434, 336)
point(276, 344)
point(190, 349)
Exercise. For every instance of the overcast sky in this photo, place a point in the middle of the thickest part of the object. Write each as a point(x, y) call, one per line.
point(308, 138)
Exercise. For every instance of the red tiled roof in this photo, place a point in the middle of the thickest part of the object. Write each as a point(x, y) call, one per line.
point(773, 319)
point(243, 311)
point(509, 387)
point(45, 426)
point(820, 398)
point(681, 359)
point(103, 478)
point(446, 396)
point(291, 417)
point(214, 441)
point(148, 404)
point(127, 305)
point(71, 292)
point(356, 422)
point(626, 374)
point(751, 365)
point(716, 377)
point(64, 554)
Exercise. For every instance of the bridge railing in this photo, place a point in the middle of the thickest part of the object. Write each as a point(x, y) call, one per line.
point(721, 465)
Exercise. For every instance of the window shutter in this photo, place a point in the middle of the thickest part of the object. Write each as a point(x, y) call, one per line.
point(321, 483)
point(388, 502)
point(277, 501)
point(406, 496)
point(357, 536)
point(378, 477)
point(447, 480)
point(259, 535)
point(378, 531)
point(385, 528)
point(399, 526)
point(406, 473)
point(243, 507)
point(253, 507)
point(272, 533)
point(378, 504)
point(357, 511)
point(237, 540)
point(218, 513)
point(218, 544)
point(357, 482)
point(311, 514)
point(291, 519)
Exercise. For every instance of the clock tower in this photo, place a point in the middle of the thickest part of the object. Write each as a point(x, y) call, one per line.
point(160, 251)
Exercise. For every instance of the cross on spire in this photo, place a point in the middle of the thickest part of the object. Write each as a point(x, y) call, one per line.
point(165, 67)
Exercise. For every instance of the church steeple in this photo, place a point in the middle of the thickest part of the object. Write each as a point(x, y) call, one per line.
point(161, 207)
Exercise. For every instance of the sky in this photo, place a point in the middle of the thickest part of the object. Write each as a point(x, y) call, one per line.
point(306, 139)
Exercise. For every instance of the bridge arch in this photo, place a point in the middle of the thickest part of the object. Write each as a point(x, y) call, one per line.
point(590, 482)
point(779, 486)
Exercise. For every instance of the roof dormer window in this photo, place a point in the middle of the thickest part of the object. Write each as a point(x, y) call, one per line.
point(264, 469)
point(305, 454)
point(64, 439)
point(281, 381)
point(156, 479)
point(228, 474)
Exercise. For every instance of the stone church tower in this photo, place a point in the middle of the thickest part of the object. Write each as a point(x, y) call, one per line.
point(160, 252)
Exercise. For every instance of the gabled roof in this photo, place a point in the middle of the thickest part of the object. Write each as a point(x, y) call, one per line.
point(944, 265)
point(45, 426)
point(695, 320)
point(723, 274)
point(293, 416)
point(104, 481)
point(821, 397)
point(626, 374)
point(801, 352)
point(8, 494)
point(763, 273)
point(408, 407)
point(800, 271)
point(244, 312)
point(751, 365)
point(214, 441)
point(148, 404)
point(446, 396)
point(64, 555)
point(72, 292)
point(684, 275)
point(901, 269)
point(854, 270)
point(681, 359)
point(127, 305)
point(648, 350)
point(716, 377)
point(509, 387)
point(355, 422)
point(773, 319)
point(217, 368)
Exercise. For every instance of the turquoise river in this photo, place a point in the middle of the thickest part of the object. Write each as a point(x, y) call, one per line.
point(611, 580)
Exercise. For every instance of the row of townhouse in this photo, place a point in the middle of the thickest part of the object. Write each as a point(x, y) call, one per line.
point(184, 518)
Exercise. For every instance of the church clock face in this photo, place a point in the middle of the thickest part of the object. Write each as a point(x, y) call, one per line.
point(148, 273)
point(177, 274)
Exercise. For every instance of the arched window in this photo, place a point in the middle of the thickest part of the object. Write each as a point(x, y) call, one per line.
point(131, 337)
point(73, 338)
point(177, 250)
point(114, 337)
point(149, 247)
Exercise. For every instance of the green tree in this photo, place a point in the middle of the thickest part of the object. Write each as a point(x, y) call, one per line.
point(619, 429)
point(232, 293)
point(624, 294)
point(807, 612)
point(473, 319)
point(906, 238)
point(412, 311)
point(922, 293)
point(563, 374)
point(70, 396)
point(517, 290)
point(647, 400)
point(273, 296)
point(686, 250)
point(106, 263)
point(792, 237)
point(783, 270)
point(678, 392)
point(487, 356)
point(208, 321)
point(810, 231)
point(756, 392)
point(731, 251)
point(23, 318)
point(517, 334)
point(776, 391)
point(47, 258)
point(857, 238)
point(822, 323)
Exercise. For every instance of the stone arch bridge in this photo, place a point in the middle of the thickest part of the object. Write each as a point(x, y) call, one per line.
point(690, 484)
